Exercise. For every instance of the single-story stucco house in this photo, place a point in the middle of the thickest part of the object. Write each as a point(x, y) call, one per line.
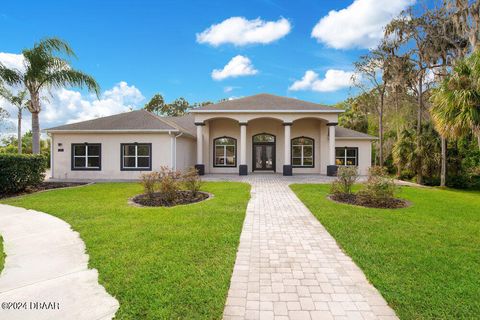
point(257, 133)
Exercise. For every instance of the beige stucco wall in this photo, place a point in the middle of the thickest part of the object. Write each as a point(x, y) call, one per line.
point(186, 153)
point(161, 154)
point(312, 128)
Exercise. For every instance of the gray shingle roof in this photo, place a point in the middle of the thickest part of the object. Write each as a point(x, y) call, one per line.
point(266, 102)
point(137, 120)
point(186, 123)
point(341, 132)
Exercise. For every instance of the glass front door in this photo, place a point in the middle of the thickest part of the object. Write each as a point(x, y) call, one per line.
point(264, 157)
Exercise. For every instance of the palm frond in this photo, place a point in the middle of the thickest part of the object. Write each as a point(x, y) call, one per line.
point(49, 45)
point(10, 76)
point(74, 78)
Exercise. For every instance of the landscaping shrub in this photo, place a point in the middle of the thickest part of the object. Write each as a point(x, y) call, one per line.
point(346, 177)
point(150, 183)
point(169, 183)
point(163, 188)
point(21, 171)
point(379, 190)
point(192, 181)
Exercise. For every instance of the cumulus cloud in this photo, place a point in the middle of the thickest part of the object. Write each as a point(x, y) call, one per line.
point(240, 31)
point(334, 80)
point(237, 67)
point(360, 25)
point(12, 60)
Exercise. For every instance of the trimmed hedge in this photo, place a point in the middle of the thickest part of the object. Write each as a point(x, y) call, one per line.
point(20, 171)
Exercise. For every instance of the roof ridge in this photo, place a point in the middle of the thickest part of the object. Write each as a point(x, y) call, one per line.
point(178, 125)
point(160, 119)
point(169, 122)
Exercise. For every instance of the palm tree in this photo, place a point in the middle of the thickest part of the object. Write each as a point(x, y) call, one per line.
point(456, 102)
point(20, 101)
point(45, 68)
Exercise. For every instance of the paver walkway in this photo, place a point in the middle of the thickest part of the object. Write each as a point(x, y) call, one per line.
point(46, 263)
point(289, 267)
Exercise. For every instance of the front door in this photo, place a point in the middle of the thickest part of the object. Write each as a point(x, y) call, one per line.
point(264, 152)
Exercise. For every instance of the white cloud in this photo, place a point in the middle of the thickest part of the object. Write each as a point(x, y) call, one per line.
point(240, 31)
point(360, 25)
point(237, 67)
point(334, 80)
point(12, 60)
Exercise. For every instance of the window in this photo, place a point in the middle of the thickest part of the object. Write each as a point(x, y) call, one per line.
point(263, 138)
point(86, 156)
point(346, 156)
point(302, 152)
point(136, 156)
point(225, 152)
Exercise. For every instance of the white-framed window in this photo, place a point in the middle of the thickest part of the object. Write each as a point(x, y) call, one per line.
point(86, 156)
point(136, 156)
point(303, 152)
point(225, 152)
point(346, 156)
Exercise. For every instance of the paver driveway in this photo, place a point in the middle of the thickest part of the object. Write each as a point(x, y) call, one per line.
point(289, 267)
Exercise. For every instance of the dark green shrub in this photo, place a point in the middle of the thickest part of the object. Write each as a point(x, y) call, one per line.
point(20, 171)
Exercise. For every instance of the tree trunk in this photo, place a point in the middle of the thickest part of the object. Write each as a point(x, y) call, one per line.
point(35, 133)
point(419, 130)
point(399, 166)
point(443, 172)
point(35, 110)
point(380, 129)
point(19, 131)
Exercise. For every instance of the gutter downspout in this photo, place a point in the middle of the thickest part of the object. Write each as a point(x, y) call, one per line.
point(173, 147)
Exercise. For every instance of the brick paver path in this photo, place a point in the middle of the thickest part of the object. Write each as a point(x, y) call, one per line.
point(289, 267)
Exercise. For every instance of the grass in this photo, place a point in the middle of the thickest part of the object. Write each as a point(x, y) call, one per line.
point(160, 263)
point(425, 259)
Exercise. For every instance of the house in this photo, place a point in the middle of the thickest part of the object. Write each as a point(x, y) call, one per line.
point(260, 133)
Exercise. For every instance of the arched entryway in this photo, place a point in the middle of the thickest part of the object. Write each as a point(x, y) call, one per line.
point(263, 152)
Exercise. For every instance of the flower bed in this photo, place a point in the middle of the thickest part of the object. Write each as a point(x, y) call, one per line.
point(158, 199)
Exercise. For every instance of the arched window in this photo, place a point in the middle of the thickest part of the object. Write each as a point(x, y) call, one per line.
point(303, 152)
point(263, 137)
point(225, 152)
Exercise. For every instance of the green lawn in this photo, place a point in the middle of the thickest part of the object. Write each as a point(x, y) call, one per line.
point(160, 263)
point(425, 260)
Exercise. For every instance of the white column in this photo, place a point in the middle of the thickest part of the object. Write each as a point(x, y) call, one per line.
point(287, 136)
point(331, 143)
point(243, 143)
point(199, 143)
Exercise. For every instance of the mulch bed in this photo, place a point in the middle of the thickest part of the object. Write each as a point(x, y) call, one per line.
point(158, 199)
point(42, 187)
point(352, 199)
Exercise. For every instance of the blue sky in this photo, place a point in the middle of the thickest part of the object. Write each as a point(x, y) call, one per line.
point(145, 47)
